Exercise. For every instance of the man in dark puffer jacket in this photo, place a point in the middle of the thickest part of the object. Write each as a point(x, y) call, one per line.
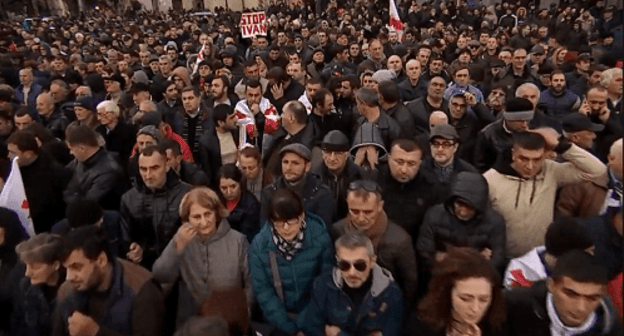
point(465, 220)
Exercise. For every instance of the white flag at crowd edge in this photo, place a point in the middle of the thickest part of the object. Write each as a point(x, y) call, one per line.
point(395, 20)
point(200, 57)
point(13, 196)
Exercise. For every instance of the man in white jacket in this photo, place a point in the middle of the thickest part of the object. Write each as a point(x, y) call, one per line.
point(523, 184)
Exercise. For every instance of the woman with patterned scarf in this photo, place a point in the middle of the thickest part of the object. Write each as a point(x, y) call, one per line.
point(291, 250)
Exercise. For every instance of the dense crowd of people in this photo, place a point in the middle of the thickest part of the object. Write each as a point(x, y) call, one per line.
point(462, 176)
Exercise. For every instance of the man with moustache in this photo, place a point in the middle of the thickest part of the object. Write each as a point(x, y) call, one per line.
point(559, 100)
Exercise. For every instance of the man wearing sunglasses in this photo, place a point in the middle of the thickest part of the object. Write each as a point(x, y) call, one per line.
point(358, 298)
point(392, 244)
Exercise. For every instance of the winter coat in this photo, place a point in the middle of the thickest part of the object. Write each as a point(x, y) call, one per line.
point(191, 174)
point(528, 204)
point(134, 306)
point(389, 129)
point(33, 305)
point(119, 140)
point(395, 253)
point(409, 92)
point(100, 178)
point(57, 123)
point(297, 275)
point(44, 182)
point(577, 83)
point(13, 235)
point(608, 243)
point(407, 203)
point(316, 197)
point(492, 140)
point(270, 155)
point(527, 314)
point(468, 128)
point(114, 229)
point(381, 310)
point(210, 153)
point(442, 229)
point(560, 105)
point(340, 184)
point(152, 215)
point(245, 218)
point(421, 111)
point(35, 90)
point(404, 118)
point(584, 199)
point(218, 263)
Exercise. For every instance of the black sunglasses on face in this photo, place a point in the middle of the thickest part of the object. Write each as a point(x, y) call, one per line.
point(360, 265)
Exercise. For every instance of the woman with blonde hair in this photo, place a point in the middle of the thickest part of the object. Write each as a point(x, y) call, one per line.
point(207, 256)
point(36, 282)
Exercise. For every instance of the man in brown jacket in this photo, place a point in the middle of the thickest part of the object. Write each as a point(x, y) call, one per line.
point(587, 199)
point(393, 245)
point(103, 296)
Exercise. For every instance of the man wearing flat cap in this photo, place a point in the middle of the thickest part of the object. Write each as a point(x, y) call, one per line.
point(580, 130)
point(316, 196)
point(338, 169)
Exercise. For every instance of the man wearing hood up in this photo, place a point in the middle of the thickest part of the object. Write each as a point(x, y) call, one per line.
point(464, 220)
point(523, 184)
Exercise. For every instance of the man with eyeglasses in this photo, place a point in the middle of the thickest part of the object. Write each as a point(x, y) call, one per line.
point(358, 297)
point(338, 169)
point(444, 163)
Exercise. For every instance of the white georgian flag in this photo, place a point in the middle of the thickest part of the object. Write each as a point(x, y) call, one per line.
point(13, 196)
point(395, 20)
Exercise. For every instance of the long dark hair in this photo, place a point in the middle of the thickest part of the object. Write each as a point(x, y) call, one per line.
point(230, 171)
point(460, 264)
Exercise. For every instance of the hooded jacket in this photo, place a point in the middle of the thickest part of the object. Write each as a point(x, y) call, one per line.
point(527, 314)
point(381, 310)
point(152, 215)
point(315, 257)
point(394, 250)
point(442, 229)
point(528, 204)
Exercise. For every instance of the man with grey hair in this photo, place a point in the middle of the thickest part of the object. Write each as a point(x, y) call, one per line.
point(26, 93)
point(367, 103)
point(118, 135)
point(611, 80)
point(412, 87)
point(357, 288)
point(531, 92)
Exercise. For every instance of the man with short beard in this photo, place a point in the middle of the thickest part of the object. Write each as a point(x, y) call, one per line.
point(295, 163)
point(577, 80)
point(559, 100)
point(104, 295)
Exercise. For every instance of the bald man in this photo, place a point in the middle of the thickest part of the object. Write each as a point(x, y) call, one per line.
point(52, 119)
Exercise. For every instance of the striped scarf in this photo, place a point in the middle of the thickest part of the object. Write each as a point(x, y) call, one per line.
point(288, 249)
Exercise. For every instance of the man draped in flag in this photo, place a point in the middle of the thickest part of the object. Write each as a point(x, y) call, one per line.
point(13, 196)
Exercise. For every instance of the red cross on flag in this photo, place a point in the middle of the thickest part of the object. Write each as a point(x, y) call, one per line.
point(395, 20)
point(13, 196)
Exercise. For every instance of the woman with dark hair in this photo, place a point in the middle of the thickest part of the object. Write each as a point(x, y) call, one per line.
point(243, 206)
point(296, 246)
point(464, 298)
point(207, 256)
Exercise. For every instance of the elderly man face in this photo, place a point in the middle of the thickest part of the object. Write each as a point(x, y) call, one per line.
point(45, 105)
point(532, 94)
point(413, 70)
point(26, 77)
point(376, 50)
point(615, 85)
point(395, 64)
